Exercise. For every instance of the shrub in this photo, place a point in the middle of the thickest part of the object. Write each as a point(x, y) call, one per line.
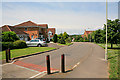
point(9, 36)
point(20, 44)
point(61, 41)
point(68, 40)
point(6, 45)
point(55, 38)
point(47, 40)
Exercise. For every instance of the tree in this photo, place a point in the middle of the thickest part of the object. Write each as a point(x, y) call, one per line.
point(78, 38)
point(55, 39)
point(9, 36)
point(99, 36)
point(86, 39)
point(113, 28)
point(62, 41)
point(65, 35)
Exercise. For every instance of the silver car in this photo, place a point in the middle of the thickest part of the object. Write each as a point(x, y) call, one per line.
point(36, 42)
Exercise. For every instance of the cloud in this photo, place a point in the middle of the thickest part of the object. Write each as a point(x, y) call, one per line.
point(71, 21)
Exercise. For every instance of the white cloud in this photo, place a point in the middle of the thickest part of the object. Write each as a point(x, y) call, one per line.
point(69, 21)
point(60, 20)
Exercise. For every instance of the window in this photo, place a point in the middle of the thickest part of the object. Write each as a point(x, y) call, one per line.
point(34, 41)
point(32, 37)
point(25, 29)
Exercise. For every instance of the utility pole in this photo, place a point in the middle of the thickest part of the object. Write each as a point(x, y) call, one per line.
point(106, 30)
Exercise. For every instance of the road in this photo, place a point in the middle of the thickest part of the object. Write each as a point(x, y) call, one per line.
point(86, 60)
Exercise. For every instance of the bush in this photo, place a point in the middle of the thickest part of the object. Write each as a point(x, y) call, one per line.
point(6, 45)
point(47, 41)
point(61, 41)
point(55, 38)
point(68, 40)
point(20, 44)
point(9, 36)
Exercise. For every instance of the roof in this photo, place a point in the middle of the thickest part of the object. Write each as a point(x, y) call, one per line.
point(16, 30)
point(5, 28)
point(31, 24)
point(51, 29)
point(11, 28)
point(82, 35)
point(88, 32)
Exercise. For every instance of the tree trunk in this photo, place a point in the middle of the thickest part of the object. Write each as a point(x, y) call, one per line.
point(111, 45)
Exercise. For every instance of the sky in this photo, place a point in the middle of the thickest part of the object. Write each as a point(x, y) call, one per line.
point(70, 17)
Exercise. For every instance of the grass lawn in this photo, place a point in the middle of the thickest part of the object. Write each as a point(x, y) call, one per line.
point(25, 51)
point(114, 61)
point(108, 45)
point(66, 44)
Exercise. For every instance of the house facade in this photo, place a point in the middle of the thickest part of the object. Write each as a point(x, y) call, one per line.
point(51, 32)
point(86, 33)
point(28, 30)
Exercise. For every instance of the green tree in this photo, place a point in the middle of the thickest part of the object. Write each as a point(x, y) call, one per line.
point(55, 38)
point(60, 36)
point(65, 35)
point(86, 39)
point(99, 36)
point(113, 28)
point(9, 36)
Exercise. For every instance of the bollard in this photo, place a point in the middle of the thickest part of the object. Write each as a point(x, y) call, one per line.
point(63, 63)
point(48, 64)
point(7, 56)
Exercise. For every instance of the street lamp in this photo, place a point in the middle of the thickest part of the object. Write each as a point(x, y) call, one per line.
point(106, 31)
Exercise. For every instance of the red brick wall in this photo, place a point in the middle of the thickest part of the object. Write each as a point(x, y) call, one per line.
point(52, 30)
point(34, 33)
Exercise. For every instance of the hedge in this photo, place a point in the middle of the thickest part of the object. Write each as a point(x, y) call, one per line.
point(20, 44)
point(14, 45)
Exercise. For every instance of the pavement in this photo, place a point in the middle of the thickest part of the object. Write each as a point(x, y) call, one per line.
point(83, 60)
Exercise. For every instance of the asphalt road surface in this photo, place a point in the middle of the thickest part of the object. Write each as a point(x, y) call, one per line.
point(83, 60)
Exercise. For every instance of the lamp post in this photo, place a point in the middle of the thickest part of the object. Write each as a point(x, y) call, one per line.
point(106, 31)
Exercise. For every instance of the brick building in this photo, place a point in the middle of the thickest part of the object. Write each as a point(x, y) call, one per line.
point(86, 33)
point(30, 30)
point(51, 32)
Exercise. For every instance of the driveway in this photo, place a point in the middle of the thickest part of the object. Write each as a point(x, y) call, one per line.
point(86, 60)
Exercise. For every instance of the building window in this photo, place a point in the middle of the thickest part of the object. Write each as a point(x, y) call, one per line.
point(32, 37)
point(25, 29)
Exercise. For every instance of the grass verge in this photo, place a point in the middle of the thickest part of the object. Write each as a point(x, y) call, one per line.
point(66, 44)
point(25, 51)
point(114, 61)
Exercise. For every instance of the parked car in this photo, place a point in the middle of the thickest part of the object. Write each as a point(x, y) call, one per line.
point(42, 39)
point(36, 42)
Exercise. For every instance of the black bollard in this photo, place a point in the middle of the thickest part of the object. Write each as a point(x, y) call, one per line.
point(63, 63)
point(48, 64)
point(7, 56)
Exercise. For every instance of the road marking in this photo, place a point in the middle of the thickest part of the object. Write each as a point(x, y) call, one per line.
point(41, 74)
point(8, 63)
point(27, 68)
point(38, 74)
point(75, 65)
point(5, 64)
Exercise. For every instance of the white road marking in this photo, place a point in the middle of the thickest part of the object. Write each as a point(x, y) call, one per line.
point(8, 63)
point(5, 64)
point(41, 74)
point(75, 65)
point(37, 74)
point(27, 69)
